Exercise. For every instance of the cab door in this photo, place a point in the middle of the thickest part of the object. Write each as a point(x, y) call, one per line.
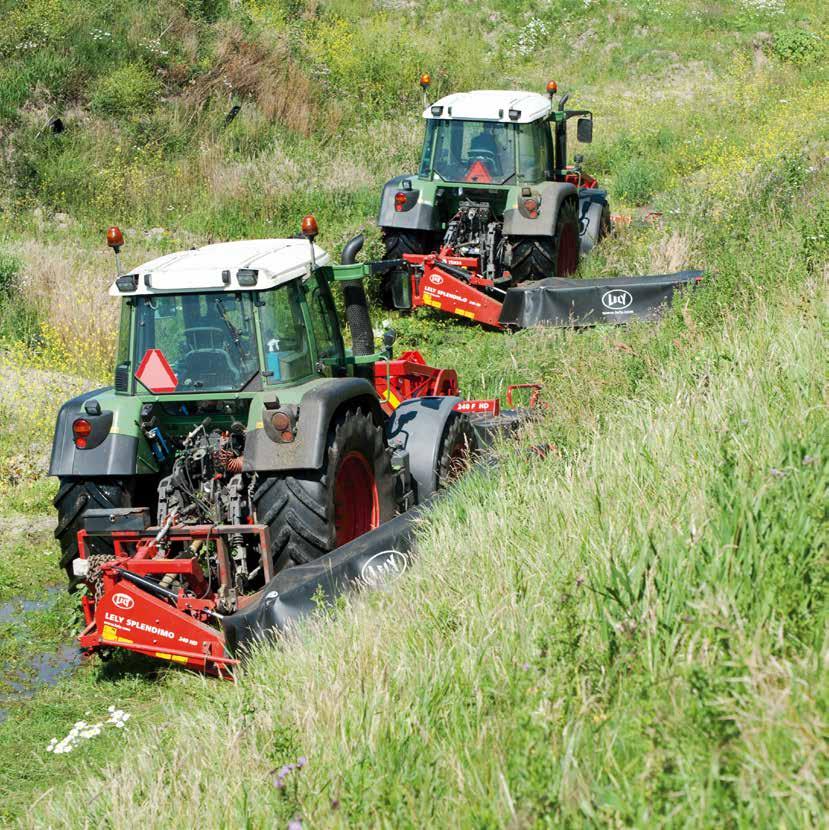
point(322, 313)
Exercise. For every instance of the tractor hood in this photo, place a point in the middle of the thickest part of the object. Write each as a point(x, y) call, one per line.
point(249, 265)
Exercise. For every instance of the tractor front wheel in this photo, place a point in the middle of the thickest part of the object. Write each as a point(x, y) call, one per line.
point(457, 450)
point(74, 498)
point(310, 512)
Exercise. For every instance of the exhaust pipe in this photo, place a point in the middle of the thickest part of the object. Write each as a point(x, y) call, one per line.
point(356, 303)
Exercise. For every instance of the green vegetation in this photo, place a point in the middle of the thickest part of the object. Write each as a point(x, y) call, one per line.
point(630, 632)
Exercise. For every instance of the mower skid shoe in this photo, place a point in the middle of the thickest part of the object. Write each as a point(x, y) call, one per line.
point(127, 616)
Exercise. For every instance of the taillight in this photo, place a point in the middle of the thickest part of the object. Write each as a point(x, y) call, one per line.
point(81, 430)
point(283, 422)
point(531, 206)
point(400, 201)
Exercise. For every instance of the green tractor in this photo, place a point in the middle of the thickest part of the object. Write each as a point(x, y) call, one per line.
point(236, 404)
point(494, 186)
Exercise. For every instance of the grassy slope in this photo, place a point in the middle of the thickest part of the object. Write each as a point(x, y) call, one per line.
point(642, 638)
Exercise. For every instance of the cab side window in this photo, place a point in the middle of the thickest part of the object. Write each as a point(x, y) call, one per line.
point(534, 151)
point(284, 336)
point(328, 343)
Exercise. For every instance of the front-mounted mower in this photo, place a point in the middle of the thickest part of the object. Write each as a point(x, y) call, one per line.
point(241, 437)
point(496, 208)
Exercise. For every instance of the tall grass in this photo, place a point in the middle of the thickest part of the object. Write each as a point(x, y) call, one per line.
point(631, 634)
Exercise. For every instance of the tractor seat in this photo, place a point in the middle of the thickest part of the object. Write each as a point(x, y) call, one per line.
point(211, 367)
point(483, 144)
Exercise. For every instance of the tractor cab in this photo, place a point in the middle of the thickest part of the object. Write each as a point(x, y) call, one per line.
point(498, 137)
point(230, 318)
point(488, 138)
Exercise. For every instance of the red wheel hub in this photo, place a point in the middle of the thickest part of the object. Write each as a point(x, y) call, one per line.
point(356, 504)
point(568, 251)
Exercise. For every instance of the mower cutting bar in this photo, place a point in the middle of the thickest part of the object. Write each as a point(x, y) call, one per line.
point(452, 285)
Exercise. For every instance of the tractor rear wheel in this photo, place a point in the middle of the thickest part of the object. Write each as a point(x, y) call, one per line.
point(567, 239)
point(539, 257)
point(398, 242)
point(310, 512)
point(74, 498)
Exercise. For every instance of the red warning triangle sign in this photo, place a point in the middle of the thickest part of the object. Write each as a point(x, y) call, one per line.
point(478, 172)
point(156, 373)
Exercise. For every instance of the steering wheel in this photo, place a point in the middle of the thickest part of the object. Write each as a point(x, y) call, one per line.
point(486, 156)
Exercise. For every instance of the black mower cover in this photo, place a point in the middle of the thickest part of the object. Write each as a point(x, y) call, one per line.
point(372, 560)
point(567, 302)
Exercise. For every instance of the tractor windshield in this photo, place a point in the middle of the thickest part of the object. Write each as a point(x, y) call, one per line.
point(469, 151)
point(195, 342)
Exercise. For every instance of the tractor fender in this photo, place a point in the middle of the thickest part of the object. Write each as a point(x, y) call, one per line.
point(592, 204)
point(420, 217)
point(552, 195)
point(418, 426)
point(317, 409)
point(108, 453)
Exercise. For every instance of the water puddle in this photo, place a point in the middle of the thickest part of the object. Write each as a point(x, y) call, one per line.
point(14, 609)
point(24, 678)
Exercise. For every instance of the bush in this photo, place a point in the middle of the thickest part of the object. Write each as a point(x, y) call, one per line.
point(797, 46)
point(636, 181)
point(128, 89)
point(9, 268)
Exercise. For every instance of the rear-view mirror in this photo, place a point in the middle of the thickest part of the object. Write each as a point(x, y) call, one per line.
point(584, 130)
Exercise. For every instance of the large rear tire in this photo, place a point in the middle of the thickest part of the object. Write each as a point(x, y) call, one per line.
point(310, 512)
point(74, 498)
point(539, 257)
point(398, 242)
point(568, 243)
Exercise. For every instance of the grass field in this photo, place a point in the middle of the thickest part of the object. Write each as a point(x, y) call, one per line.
point(630, 632)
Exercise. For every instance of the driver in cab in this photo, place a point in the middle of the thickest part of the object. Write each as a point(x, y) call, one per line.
point(485, 148)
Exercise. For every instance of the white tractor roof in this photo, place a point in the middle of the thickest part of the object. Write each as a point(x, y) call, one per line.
point(277, 260)
point(491, 105)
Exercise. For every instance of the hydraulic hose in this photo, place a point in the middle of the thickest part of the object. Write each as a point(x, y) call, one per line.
point(356, 304)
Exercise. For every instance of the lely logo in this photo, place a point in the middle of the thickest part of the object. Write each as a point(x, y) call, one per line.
point(384, 567)
point(123, 601)
point(617, 299)
point(437, 279)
